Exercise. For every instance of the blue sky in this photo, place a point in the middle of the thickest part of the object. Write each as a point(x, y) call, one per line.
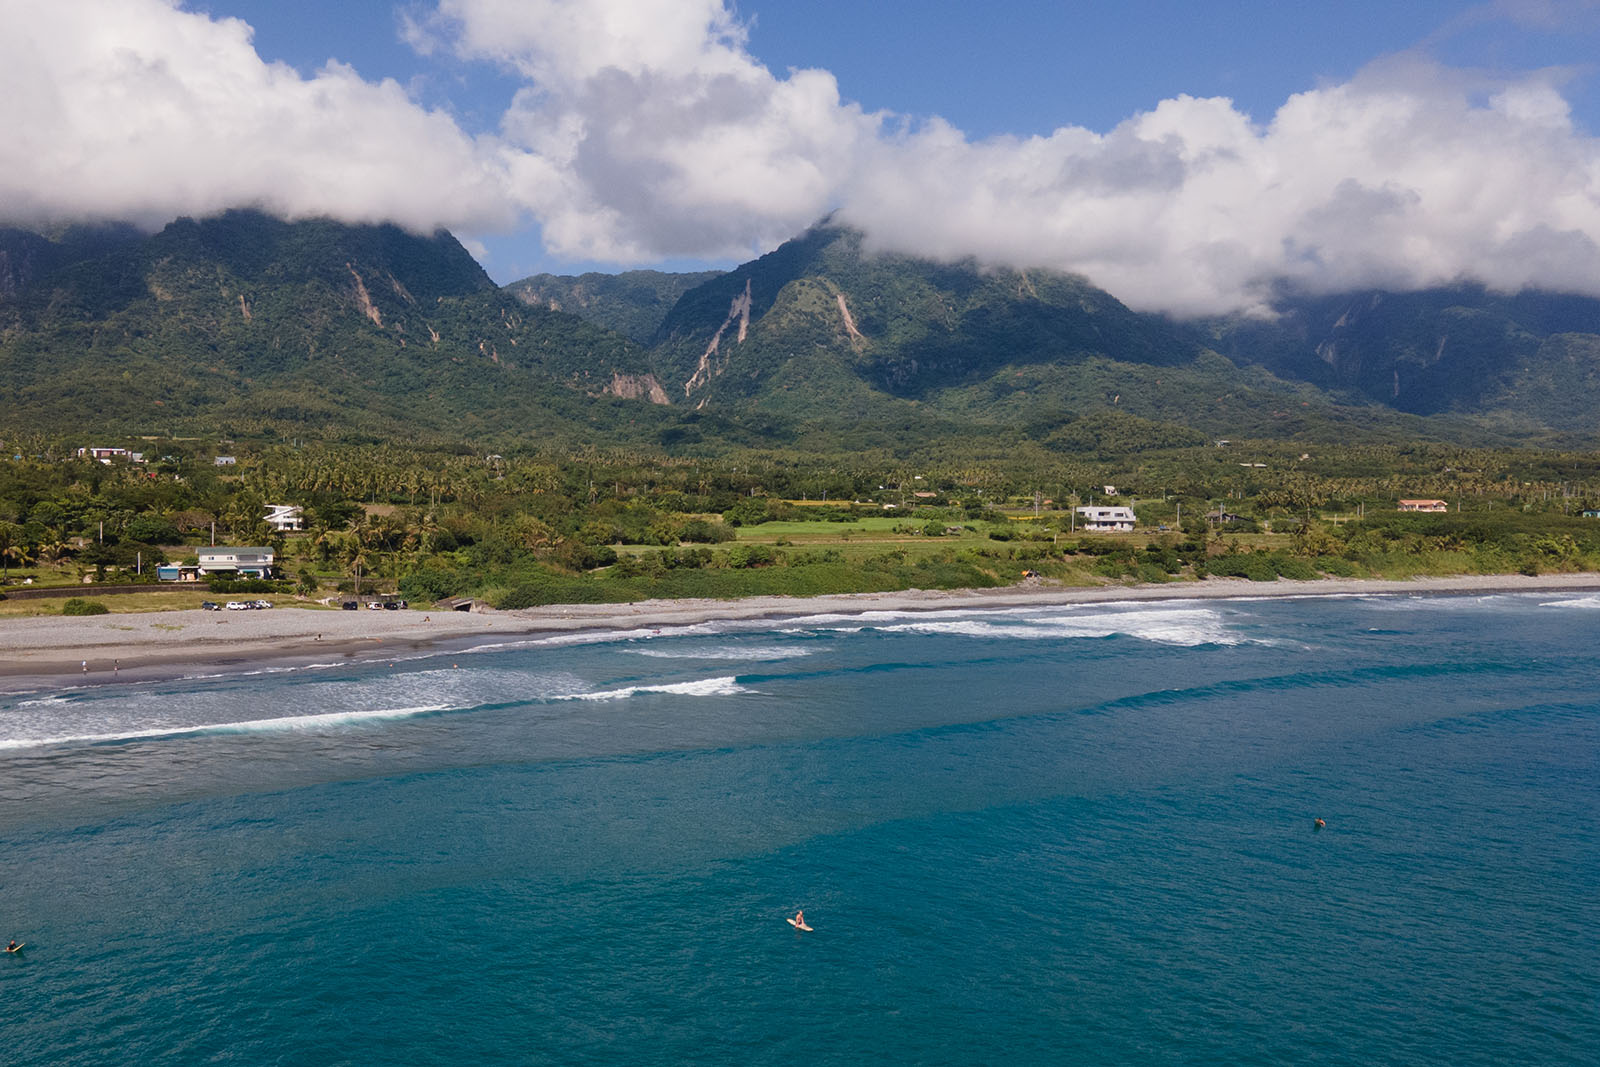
point(1024, 66)
point(1146, 144)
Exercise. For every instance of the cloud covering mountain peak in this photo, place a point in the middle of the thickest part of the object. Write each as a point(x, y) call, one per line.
point(645, 129)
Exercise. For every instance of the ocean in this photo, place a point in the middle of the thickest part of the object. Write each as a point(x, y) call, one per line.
point(1065, 835)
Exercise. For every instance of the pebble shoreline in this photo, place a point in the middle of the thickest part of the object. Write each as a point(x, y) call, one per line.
point(105, 648)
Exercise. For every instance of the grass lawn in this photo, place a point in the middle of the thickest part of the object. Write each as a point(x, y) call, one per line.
point(130, 603)
point(825, 531)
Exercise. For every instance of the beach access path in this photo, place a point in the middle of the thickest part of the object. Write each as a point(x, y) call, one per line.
point(136, 646)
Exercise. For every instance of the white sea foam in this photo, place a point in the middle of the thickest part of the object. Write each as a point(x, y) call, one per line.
point(55, 700)
point(285, 724)
point(1183, 626)
point(757, 653)
point(1586, 603)
point(704, 687)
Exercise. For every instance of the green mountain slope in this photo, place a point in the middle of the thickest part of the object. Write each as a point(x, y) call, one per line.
point(820, 330)
point(632, 303)
point(249, 324)
point(1527, 359)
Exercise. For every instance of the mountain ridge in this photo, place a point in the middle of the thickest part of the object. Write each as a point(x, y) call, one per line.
point(316, 327)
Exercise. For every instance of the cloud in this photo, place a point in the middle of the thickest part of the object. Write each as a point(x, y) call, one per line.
point(137, 110)
point(647, 130)
point(1406, 177)
point(644, 129)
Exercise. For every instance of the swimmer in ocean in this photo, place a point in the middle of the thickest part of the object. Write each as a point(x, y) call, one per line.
point(1318, 826)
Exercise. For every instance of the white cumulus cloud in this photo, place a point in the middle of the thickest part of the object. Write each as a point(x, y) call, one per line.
point(645, 129)
point(138, 110)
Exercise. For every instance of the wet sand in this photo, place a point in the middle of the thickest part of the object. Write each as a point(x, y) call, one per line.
point(101, 649)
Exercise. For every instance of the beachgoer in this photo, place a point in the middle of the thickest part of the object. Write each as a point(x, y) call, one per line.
point(1318, 826)
point(85, 666)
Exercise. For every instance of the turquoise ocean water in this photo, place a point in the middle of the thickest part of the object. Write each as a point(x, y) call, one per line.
point(1055, 836)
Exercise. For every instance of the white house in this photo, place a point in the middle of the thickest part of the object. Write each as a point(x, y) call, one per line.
point(1097, 519)
point(240, 562)
point(1423, 505)
point(285, 517)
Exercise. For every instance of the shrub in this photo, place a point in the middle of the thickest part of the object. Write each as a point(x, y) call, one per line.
point(246, 585)
point(79, 606)
point(750, 556)
point(1153, 572)
point(698, 531)
point(1294, 568)
point(1337, 566)
point(1256, 566)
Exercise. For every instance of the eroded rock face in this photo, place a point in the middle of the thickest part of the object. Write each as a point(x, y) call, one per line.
point(636, 386)
point(738, 312)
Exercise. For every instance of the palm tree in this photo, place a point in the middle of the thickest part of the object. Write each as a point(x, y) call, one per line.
point(10, 544)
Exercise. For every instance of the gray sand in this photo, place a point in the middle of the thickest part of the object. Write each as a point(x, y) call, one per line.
point(116, 646)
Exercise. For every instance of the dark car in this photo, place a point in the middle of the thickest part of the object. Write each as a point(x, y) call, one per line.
point(350, 605)
point(207, 605)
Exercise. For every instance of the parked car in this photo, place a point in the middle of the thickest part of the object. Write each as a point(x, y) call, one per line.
point(239, 605)
point(262, 604)
point(349, 605)
point(374, 605)
point(210, 605)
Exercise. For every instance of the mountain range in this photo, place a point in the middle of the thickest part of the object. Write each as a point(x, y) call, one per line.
point(248, 325)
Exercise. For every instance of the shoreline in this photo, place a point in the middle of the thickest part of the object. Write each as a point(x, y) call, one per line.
point(68, 652)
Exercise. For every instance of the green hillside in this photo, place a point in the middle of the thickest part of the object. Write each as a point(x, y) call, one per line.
point(246, 324)
point(818, 329)
point(632, 303)
point(1527, 359)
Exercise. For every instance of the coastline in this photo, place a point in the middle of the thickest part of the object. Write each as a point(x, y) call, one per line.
point(56, 652)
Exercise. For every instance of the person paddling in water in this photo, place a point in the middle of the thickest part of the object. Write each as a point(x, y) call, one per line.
point(13, 946)
point(1318, 826)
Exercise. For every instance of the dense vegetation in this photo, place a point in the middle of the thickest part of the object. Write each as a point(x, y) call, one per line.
point(249, 327)
point(586, 527)
point(632, 303)
point(822, 419)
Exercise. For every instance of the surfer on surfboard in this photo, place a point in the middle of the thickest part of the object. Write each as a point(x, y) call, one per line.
point(799, 921)
point(13, 947)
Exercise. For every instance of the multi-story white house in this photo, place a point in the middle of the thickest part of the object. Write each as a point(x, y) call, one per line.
point(237, 562)
point(1097, 519)
point(285, 517)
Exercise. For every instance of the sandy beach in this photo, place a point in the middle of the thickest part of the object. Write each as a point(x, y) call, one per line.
point(121, 648)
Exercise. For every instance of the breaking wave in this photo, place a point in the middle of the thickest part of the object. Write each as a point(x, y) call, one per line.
point(284, 724)
point(705, 687)
point(1185, 627)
